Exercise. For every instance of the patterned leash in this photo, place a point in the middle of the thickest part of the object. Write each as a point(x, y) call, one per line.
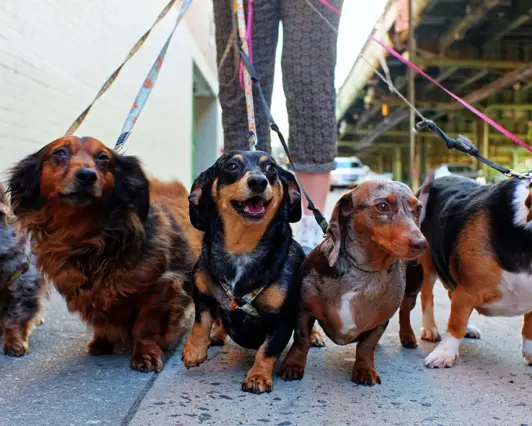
point(238, 10)
point(147, 85)
point(75, 125)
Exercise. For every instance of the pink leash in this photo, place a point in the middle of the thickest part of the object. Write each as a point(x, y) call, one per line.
point(451, 94)
point(330, 7)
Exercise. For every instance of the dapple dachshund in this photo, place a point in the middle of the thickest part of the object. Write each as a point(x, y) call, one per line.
point(23, 291)
point(118, 247)
point(354, 281)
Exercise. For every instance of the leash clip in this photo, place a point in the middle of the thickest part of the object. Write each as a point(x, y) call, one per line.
point(513, 173)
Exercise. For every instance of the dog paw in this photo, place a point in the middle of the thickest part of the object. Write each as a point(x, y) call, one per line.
point(365, 376)
point(430, 334)
point(146, 363)
point(408, 340)
point(472, 332)
point(193, 356)
point(317, 340)
point(99, 346)
point(291, 370)
point(527, 351)
point(16, 349)
point(445, 354)
point(257, 383)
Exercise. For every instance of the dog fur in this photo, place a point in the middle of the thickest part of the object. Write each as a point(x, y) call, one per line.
point(118, 247)
point(354, 281)
point(22, 297)
point(480, 239)
point(244, 203)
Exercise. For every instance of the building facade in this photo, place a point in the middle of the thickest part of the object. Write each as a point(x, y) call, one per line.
point(54, 57)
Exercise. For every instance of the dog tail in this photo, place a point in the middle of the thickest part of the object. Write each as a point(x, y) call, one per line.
point(423, 193)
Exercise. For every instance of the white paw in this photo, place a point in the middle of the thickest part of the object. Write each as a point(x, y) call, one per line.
point(472, 332)
point(430, 334)
point(527, 351)
point(445, 354)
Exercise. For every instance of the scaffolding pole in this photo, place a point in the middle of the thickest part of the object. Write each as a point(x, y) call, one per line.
point(412, 168)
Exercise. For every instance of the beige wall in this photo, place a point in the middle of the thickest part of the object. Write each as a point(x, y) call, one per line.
point(55, 55)
point(201, 24)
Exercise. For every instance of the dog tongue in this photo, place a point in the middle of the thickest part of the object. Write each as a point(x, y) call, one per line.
point(254, 206)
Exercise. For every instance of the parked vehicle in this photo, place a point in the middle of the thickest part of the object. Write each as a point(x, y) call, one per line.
point(350, 172)
point(465, 170)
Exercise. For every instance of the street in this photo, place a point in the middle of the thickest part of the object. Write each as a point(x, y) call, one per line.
point(58, 383)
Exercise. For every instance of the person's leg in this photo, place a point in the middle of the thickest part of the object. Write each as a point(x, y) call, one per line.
point(308, 62)
point(264, 37)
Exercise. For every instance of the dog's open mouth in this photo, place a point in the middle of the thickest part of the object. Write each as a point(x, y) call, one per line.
point(253, 208)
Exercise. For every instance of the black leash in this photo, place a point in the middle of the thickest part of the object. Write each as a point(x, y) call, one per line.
point(463, 144)
point(256, 83)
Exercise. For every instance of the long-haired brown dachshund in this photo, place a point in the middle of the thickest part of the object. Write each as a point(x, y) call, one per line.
point(118, 247)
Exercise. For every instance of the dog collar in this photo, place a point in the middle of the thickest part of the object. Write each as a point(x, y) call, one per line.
point(354, 263)
point(243, 303)
point(20, 270)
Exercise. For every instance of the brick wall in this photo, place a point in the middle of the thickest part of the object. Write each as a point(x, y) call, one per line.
point(55, 55)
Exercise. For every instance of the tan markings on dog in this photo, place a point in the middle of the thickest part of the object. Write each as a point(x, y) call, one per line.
point(429, 330)
point(202, 282)
point(473, 265)
point(16, 339)
point(239, 158)
point(242, 236)
point(259, 378)
point(413, 202)
point(528, 205)
point(406, 334)
point(197, 344)
point(218, 333)
point(263, 159)
point(272, 297)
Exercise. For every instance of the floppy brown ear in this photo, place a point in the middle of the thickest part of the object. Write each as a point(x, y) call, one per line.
point(333, 239)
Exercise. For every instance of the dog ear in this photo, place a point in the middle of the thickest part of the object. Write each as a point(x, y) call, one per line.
point(132, 189)
point(294, 195)
point(200, 199)
point(331, 245)
point(25, 184)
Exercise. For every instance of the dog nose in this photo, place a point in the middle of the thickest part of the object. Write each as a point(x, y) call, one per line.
point(86, 176)
point(418, 244)
point(257, 183)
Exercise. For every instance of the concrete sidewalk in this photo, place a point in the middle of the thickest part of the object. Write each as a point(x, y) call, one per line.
point(489, 386)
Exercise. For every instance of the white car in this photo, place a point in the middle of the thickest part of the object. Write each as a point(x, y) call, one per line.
point(464, 170)
point(350, 172)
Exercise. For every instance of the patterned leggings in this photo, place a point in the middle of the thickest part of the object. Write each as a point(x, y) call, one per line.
point(308, 62)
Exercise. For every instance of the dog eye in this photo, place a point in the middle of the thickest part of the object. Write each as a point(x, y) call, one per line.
point(383, 208)
point(60, 152)
point(417, 211)
point(269, 168)
point(231, 167)
point(102, 157)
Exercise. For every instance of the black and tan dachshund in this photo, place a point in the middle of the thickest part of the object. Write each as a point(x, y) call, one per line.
point(249, 268)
